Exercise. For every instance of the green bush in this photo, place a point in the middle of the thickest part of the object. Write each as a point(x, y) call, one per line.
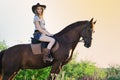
point(113, 78)
point(113, 73)
point(3, 45)
point(76, 71)
point(29, 74)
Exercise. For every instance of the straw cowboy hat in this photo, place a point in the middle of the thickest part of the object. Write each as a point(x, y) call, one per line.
point(34, 7)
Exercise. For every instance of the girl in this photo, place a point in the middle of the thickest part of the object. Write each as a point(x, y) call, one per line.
point(41, 33)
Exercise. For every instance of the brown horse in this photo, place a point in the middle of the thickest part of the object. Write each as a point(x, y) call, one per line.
point(21, 56)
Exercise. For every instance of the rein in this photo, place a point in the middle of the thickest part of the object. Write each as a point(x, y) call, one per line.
point(74, 41)
point(77, 41)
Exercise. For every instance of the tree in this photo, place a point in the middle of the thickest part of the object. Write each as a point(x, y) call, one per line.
point(75, 70)
point(3, 45)
point(113, 73)
point(80, 71)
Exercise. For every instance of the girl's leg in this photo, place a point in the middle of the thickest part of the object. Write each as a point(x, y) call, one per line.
point(47, 50)
point(48, 39)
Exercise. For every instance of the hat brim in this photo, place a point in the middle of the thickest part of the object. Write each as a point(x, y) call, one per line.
point(34, 7)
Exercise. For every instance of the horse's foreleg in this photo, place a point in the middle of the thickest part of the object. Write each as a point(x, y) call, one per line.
point(9, 76)
point(55, 70)
point(9, 73)
point(13, 76)
point(54, 76)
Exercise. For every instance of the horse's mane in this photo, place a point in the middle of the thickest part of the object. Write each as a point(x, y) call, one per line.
point(70, 27)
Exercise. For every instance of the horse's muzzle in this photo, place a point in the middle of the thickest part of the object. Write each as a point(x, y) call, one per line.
point(87, 42)
point(87, 45)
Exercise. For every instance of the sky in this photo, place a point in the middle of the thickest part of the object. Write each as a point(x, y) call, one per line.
point(16, 25)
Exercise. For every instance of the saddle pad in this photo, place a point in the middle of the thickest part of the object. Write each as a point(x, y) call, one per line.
point(36, 48)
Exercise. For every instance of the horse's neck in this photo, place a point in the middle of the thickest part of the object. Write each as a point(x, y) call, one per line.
point(70, 38)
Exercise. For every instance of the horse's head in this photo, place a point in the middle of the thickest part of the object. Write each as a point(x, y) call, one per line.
point(86, 33)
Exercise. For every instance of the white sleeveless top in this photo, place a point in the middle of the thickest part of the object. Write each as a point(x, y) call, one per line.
point(41, 22)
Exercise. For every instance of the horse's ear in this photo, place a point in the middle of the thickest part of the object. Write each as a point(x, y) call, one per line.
point(95, 21)
point(91, 20)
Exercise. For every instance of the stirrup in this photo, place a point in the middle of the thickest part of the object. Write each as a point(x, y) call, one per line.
point(50, 60)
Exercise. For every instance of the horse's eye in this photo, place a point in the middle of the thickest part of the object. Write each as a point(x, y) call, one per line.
point(89, 30)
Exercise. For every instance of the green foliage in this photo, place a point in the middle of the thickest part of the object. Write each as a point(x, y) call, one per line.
point(77, 71)
point(3, 45)
point(100, 74)
point(113, 78)
point(29, 74)
point(113, 73)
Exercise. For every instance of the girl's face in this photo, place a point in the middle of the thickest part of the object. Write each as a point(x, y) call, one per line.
point(39, 10)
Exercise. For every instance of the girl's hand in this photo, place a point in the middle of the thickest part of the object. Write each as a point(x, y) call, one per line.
point(50, 34)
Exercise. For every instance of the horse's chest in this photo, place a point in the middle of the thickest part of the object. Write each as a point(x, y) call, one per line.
point(69, 55)
point(64, 55)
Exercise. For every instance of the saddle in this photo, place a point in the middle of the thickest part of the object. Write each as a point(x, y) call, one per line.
point(37, 46)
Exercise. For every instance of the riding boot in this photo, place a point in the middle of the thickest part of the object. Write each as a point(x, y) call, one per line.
point(46, 55)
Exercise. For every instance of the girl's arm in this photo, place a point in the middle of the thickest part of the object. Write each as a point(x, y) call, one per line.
point(43, 31)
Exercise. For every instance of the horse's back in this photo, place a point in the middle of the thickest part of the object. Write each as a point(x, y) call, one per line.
point(14, 54)
point(16, 50)
point(23, 56)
